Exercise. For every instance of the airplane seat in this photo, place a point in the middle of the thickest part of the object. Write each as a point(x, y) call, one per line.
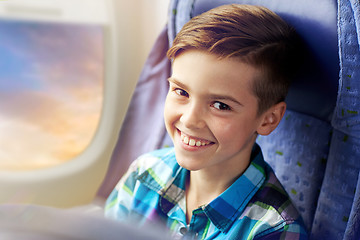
point(316, 148)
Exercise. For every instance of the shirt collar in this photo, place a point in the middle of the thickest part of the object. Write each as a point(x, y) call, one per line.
point(226, 208)
point(168, 179)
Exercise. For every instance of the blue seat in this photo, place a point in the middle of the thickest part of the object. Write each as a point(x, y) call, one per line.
point(315, 151)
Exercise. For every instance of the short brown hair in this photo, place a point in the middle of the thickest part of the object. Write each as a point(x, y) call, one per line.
point(252, 34)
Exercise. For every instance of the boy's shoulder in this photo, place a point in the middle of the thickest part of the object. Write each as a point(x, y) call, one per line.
point(271, 210)
point(272, 195)
point(157, 164)
point(274, 208)
point(156, 168)
point(160, 158)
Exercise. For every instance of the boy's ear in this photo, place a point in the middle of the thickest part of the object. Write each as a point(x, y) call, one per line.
point(271, 118)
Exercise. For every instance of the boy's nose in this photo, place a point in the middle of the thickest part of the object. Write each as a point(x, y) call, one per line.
point(192, 117)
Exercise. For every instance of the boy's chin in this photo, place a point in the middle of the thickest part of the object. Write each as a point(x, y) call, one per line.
point(188, 164)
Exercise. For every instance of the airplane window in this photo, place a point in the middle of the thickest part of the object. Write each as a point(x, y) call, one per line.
point(51, 91)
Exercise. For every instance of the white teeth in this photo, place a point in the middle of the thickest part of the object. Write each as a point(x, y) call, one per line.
point(192, 142)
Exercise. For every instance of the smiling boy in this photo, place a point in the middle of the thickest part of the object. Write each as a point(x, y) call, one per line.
point(214, 127)
point(230, 74)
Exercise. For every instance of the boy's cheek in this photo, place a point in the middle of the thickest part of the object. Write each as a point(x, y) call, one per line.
point(170, 107)
point(168, 113)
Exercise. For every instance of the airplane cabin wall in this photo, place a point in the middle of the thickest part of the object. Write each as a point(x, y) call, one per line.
point(133, 32)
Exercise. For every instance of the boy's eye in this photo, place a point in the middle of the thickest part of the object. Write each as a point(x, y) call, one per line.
point(181, 92)
point(221, 106)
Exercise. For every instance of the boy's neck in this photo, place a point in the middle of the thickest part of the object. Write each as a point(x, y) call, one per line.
point(202, 189)
point(205, 185)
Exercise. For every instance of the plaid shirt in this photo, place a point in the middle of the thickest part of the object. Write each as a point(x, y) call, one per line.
point(255, 206)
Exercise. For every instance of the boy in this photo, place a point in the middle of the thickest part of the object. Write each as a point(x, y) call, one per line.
point(231, 71)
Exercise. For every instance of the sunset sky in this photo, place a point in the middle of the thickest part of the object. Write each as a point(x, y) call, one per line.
point(51, 83)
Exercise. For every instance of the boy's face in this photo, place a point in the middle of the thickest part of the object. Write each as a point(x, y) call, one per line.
point(211, 112)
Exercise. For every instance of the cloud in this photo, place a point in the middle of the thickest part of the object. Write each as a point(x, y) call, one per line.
point(51, 103)
point(44, 132)
point(64, 55)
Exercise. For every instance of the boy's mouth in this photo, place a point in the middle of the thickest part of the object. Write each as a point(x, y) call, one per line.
point(192, 141)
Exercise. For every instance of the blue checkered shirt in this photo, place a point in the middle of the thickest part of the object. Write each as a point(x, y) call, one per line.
point(255, 206)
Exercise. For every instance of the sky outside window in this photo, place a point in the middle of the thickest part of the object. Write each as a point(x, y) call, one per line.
point(51, 85)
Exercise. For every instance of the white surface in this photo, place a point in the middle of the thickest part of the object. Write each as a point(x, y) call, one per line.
point(30, 222)
point(93, 11)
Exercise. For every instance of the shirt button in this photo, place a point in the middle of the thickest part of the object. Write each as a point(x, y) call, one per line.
point(183, 230)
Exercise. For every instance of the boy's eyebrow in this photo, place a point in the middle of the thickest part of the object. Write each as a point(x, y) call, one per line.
point(212, 96)
point(225, 97)
point(173, 80)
